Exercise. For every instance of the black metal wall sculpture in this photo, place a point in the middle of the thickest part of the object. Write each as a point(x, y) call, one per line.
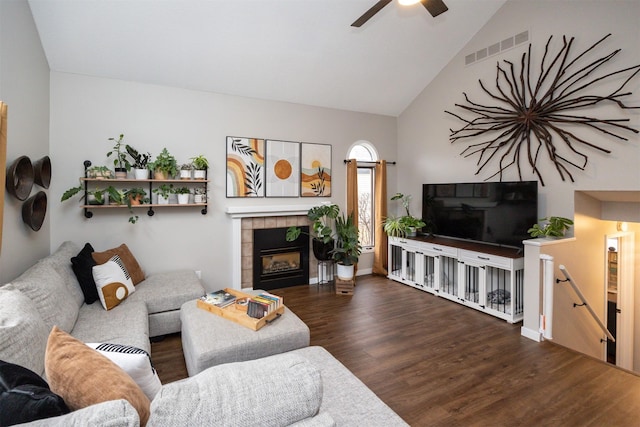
point(530, 121)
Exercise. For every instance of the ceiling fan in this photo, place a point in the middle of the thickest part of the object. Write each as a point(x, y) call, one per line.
point(435, 8)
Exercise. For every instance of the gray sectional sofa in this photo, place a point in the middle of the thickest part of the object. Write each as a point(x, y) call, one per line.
point(304, 387)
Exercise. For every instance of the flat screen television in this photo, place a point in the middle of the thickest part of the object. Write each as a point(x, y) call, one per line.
point(498, 213)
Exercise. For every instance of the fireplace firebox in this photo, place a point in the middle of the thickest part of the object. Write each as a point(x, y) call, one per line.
point(278, 263)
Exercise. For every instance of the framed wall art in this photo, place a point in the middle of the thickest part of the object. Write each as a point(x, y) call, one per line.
point(245, 167)
point(315, 170)
point(282, 169)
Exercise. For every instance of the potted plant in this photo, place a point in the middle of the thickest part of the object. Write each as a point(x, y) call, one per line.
point(201, 164)
point(200, 195)
point(116, 197)
point(140, 162)
point(185, 170)
point(121, 162)
point(164, 166)
point(403, 226)
point(322, 230)
point(99, 196)
point(347, 249)
point(135, 196)
point(183, 195)
point(99, 172)
point(555, 226)
point(95, 197)
point(163, 191)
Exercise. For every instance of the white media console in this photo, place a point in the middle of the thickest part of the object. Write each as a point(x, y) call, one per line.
point(481, 276)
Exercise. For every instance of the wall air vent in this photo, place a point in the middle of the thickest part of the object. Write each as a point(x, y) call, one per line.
point(496, 48)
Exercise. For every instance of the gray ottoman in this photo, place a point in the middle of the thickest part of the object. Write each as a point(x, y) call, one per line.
point(209, 340)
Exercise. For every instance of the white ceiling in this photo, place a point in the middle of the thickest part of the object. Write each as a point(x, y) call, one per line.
point(300, 51)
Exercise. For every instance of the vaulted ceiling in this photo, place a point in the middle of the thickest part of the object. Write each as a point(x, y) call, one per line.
point(299, 51)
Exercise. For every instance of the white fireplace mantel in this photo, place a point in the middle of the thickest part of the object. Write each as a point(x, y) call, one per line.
point(237, 213)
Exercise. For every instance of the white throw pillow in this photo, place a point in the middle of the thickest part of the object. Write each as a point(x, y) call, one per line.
point(135, 362)
point(113, 282)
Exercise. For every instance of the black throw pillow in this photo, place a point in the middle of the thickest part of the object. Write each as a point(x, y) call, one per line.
point(82, 266)
point(25, 396)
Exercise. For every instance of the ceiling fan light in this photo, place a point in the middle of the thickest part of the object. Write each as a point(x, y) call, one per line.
point(408, 2)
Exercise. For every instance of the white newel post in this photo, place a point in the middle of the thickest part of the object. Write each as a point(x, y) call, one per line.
point(546, 321)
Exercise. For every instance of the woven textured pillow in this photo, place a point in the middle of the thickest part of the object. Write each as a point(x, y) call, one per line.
point(113, 282)
point(137, 275)
point(84, 377)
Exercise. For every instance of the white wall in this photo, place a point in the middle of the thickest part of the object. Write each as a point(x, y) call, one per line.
point(85, 111)
point(427, 155)
point(24, 87)
point(424, 151)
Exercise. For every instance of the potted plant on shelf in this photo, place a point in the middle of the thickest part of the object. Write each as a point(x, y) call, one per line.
point(322, 232)
point(163, 191)
point(140, 162)
point(121, 162)
point(185, 170)
point(99, 196)
point(164, 166)
point(135, 196)
point(95, 197)
point(183, 195)
point(347, 249)
point(200, 195)
point(200, 164)
point(99, 172)
point(402, 226)
point(116, 197)
point(555, 226)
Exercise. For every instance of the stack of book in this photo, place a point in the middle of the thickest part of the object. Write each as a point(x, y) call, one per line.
point(263, 304)
point(219, 299)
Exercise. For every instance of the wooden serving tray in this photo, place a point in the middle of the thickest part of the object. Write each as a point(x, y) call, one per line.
point(237, 315)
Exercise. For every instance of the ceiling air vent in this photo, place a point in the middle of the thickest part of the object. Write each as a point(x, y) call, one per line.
point(496, 48)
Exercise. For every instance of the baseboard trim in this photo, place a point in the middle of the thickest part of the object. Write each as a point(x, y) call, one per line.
point(531, 334)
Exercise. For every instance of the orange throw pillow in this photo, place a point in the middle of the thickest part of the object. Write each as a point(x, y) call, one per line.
point(130, 262)
point(84, 377)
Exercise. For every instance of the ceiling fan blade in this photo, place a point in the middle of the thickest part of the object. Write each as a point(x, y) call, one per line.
point(369, 13)
point(435, 7)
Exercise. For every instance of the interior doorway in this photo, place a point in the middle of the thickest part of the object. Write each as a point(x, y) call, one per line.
point(619, 300)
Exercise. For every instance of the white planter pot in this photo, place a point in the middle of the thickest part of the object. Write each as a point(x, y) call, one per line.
point(199, 174)
point(199, 198)
point(345, 272)
point(183, 199)
point(141, 173)
point(162, 200)
point(185, 174)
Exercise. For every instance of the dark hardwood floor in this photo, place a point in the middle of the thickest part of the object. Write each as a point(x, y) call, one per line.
point(437, 363)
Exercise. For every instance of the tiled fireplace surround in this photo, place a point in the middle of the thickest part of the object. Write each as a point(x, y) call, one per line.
point(245, 220)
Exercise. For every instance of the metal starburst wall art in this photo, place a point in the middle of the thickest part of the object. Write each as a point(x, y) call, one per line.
point(533, 118)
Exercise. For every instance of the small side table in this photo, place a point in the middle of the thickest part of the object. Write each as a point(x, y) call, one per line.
point(325, 272)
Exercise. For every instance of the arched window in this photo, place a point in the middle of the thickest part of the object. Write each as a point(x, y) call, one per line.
point(366, 156)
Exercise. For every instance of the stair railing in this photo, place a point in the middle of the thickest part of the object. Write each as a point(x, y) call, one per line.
point(578, 292)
